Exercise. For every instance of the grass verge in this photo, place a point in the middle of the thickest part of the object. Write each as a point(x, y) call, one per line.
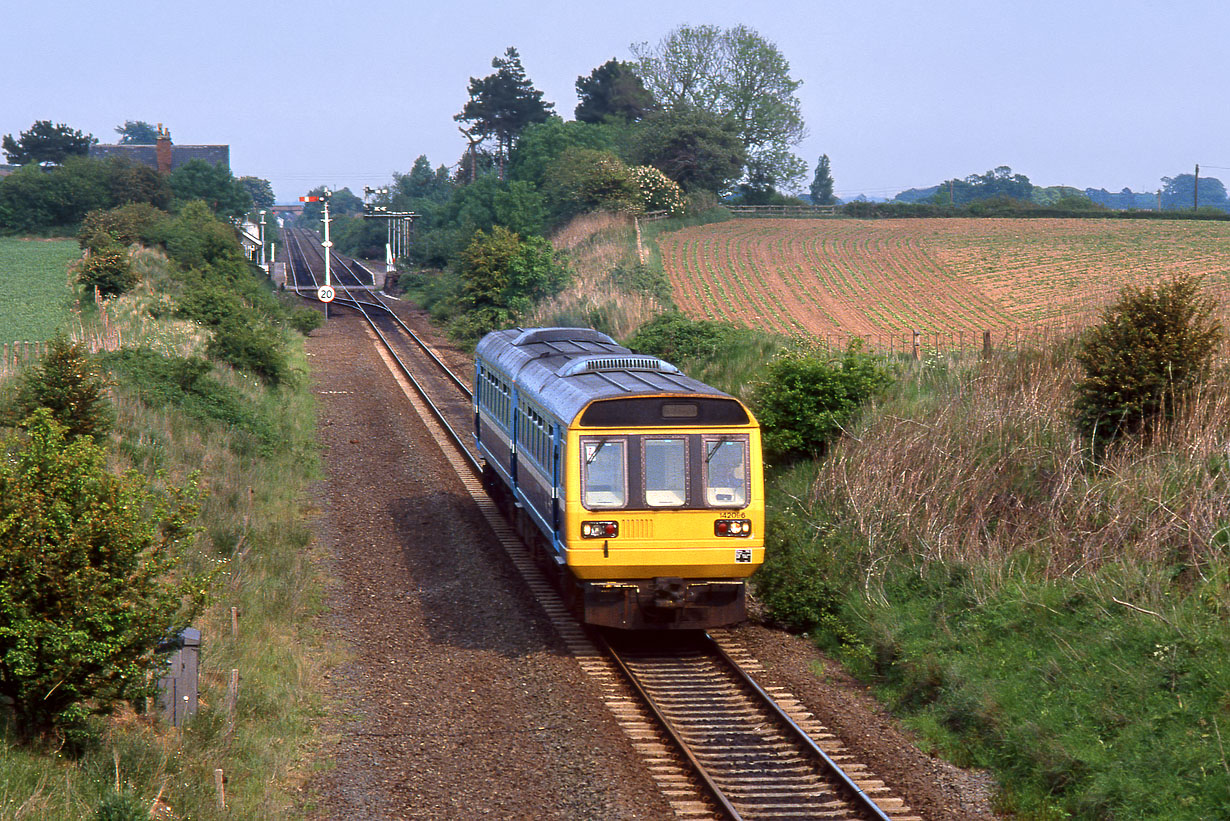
point(253, 450)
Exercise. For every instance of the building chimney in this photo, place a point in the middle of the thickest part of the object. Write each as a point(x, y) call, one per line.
point(162, 150)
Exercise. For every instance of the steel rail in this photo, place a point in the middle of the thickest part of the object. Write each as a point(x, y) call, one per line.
point(838, 780)
point(868, 804)
point(842, 783)
point(378, 303)
point(711, 786)
point(456, 439)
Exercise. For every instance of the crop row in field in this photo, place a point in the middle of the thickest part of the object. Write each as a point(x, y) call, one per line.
point(35, 296)
point(950, 277)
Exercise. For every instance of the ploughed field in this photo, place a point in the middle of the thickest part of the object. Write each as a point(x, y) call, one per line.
point(951, 279)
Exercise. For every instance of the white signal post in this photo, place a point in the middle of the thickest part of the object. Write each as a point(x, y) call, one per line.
point(325, 293)
point(327, 243)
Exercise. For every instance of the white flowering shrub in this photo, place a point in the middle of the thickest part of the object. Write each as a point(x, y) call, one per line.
point(658, 192)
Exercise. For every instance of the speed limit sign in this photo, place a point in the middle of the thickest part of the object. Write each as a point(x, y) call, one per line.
point(326, 293)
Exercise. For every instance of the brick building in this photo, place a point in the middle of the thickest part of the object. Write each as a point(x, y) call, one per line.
point(165, 156)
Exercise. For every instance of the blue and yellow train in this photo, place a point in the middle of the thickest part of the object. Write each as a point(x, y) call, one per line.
point(641, 487)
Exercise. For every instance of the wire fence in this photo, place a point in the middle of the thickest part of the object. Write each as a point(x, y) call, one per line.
point(16, 355)
point(924, 344)
point(782, 210)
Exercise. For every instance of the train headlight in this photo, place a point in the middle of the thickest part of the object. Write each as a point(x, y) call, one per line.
point(599, 530)
point(739, 528)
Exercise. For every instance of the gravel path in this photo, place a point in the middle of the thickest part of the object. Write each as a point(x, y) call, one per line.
point(456, 700)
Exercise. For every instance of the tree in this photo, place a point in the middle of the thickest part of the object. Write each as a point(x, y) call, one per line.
point(259, 190)
point(1152, 347)
point(86, 595)
point(423, 183)
point(501, 105)
point(137, 132)
point(822, 184)
point(1179, 193)
point(541, 144)
point(67, 384)
point(342, 202)
point(136, 182)
point(614, 91)
point(995, 184)
point(47, 143)
point(214, 184)
point(804, 402)
point(738, 74)
point(697, 149)
point(505, 275)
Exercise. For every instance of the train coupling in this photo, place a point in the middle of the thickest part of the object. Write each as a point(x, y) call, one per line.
point(664, 602)
point(669, 592)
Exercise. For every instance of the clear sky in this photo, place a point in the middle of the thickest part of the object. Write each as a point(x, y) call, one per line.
point(1089, 93)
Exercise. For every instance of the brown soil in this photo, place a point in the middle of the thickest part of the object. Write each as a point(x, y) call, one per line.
point(455, 698)
point(894, 276)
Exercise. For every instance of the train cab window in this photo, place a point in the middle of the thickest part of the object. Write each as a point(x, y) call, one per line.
point(726, 476)
point(603, 475)
point(666, 472)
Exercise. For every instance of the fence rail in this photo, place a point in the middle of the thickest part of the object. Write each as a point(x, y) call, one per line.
point(16, 355)
point(782, 210)
point(923, 344)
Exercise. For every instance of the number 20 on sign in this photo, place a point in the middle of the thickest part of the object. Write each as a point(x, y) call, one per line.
point(326, 293)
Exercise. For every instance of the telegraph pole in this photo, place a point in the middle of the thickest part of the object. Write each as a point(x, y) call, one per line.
point(1196, 190)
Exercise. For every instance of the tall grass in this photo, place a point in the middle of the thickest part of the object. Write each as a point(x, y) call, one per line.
point(618, 280)
point(1058, 620)
point(602, 255)
point(981, 464)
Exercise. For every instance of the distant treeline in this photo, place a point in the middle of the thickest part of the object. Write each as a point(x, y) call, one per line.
point(1008, 207)
point(1184, 192)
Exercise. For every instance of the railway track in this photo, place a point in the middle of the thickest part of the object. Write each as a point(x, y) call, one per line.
point(735, 752)
point(753, 758)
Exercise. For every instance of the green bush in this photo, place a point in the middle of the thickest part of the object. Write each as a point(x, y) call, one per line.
point(125, 225)
point(68, 384)
point(195, 239)
point(804, 401)
point(108, 269)
point(121, 806)
point(85, 558)
point(188, 385)
point(255, 347)
point(674, 337)
point(305, 320)
point(208, 302)
point(502, 277)
point(1150, 350)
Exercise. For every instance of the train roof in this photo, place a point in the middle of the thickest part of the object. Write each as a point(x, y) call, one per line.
point(567, 368)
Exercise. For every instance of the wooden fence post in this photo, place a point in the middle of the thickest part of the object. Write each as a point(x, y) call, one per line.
point(986, 344)
point(232, 700)
point(916, 346)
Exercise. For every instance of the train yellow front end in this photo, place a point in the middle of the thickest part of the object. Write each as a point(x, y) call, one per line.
point(664, 521)
point(641, 487)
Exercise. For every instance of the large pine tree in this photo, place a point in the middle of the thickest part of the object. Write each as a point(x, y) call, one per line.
point(502, 104)
point(613, 90)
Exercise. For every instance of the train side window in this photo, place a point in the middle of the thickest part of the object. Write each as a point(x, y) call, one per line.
point(666, 472)
point(726, 476)
point(603, 473)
